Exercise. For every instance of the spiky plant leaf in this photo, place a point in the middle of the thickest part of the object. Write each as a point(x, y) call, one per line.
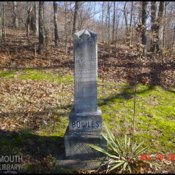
point(97, 148)
point(120, 152)
point(115, 166)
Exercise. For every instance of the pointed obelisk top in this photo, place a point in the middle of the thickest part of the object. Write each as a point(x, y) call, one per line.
point(84, 32)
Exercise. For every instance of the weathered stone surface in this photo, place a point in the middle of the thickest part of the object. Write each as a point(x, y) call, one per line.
point(84, 96)
point(85, 121)
point(77, 145)
point(85, 58)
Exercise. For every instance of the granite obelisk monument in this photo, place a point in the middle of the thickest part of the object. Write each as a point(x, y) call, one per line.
point(85, 119)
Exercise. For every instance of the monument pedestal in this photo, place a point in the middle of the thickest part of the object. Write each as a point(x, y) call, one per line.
point(84, 128)
point(76, 145)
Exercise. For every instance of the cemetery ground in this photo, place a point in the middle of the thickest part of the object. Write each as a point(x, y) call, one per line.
point(36, 97)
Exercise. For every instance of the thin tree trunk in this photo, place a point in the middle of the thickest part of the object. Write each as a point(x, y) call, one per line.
point(132, 5)
point(35, 19)
point(121, 29)
point(153, 11)
point(160, 23)
point(41, 28)
point(153, 25)
point(157, 26)
point(108, 23)
point(164, 28)
point(113, 27)
point(116, 32)
point(55, 23)
point(173, 38)
point(125, 15)
point(130, 25)
point(103, 36)
point(0, 22)
point(15, 18)
point(32, 21)
point(153, 28)
point(65, 27)
point(77, 4)
point(144, 16)
point(28, 21)
point(140, 11)
point(3, 38)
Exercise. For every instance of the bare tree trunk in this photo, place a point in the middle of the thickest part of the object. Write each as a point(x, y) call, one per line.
point(55, 23)
point(116, 32)
point(65, 27)
point(37, 21)
point(144, 17)
point(157, 26)
point(103, 11)
point(41, 28)
point(132, 5)
point(3, 33)
point(153, 11)
point(77, 4)
point(153, 26)
point(173, 38)
point(113, 27)
point(121, 28)
point(28, 21)
point(125, 15)
point(108, 22)
point(0, 22)
point(15, 18)
point(34, 21)
point(164, 28)
point(160, 23)
point(3, 38)
point(130, 25)
point(140, 12)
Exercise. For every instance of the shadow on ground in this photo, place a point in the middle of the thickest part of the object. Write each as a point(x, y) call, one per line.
point(30, 144)
point(40, 154)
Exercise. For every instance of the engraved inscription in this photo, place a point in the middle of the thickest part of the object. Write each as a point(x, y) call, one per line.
point(85, 69)
point(81, 62)
point(89, 61)
point(85, 74)
point(85, 124)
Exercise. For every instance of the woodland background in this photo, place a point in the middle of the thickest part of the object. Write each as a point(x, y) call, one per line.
point(136, 69)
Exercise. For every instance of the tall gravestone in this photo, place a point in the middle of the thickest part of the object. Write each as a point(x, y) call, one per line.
point(85, 121)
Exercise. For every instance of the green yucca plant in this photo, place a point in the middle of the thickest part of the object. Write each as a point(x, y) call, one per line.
point(122, 155)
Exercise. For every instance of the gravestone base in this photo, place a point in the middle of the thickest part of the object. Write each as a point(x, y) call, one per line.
point(76, 145)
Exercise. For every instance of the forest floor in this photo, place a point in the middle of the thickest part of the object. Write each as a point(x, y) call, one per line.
point(36, 96)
